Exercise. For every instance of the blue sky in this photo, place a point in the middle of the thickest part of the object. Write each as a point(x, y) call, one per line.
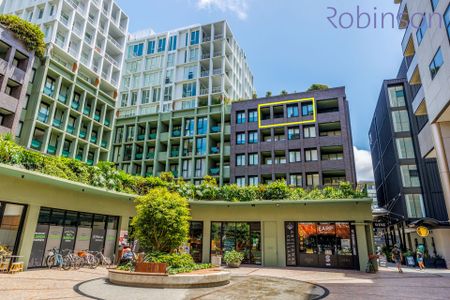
point(291, 44)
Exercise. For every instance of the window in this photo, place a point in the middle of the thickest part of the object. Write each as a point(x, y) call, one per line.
point(185, 167)
point(199, 169)
point(447, 21)
point(170, 59)
point(421, 30)
point(240, 181)
point(292, 110)
point(307, 109)
point(2, 118)
point(168, 93)
point(134, 98)
point(202, 125)
point(135, 50)
point(240, 159)
point(189, 127)
point(52, 10)
point(252, 137)
point(296, 179)
point(414, 206)
point(240, 117)
point(145, 96)
point(434, 4)
point(295, 156)
point(312, 179)
point(396, 96)
point(172, 43)
point(252, 116)
point(40, 13)
point(401, 121)
point(253, 180)
point(253, 159)
point(309, 132)
point(189, 89)
point(25, 103)
point(240, 138)
point(436, 63)
point(156, 94)
point(193, 54)
point(151, 47)
point(311, 155)
point(293, 133)
point(405, 148)
point(195, 37)
point(410, 176)
point(190, 72)
point(162, 45)
point(201, 146)
point(124, 100)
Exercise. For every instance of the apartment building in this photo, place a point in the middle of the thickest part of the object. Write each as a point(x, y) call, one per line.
point(303, 138)
point(15, 70)
point(71, 99)
point(426, 48)
point(407, 185)
point(190, 143)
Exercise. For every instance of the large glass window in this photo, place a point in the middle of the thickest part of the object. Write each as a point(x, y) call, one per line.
point(309, 131)
point(252, 116)
point(202, 125)
point(292, 110)
point(244, 237)
point(293, 133)
point(240, 117)
point(396, 96)
point(196, 240)
point(296, 179)
point(252, 137)
point(253, 159)
point(410, 176)
point(10, 226)
point(311, 155)
point(420, 33)
point(405, 148)
point(401, 121)
point(295, 156)
point(414, 206)
point(312, 179)
point(436, 63)
point(434, 4)
point(447, 21)
point(201, 146)
point(189, 127)
point(240, 159)
point(240, 138)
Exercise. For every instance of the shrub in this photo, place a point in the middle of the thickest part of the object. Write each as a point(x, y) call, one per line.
point(276, 190)
point(233, 257)
point(174, 260)
point(29, 33)
point(317, 87)
point(162, 221)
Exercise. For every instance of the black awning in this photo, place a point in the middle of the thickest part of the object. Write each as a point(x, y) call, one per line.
point(428, 222)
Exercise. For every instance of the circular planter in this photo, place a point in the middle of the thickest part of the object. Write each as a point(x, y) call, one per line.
point(208, 278)
point(234, 264)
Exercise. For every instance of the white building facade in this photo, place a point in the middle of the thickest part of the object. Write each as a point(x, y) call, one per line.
point(191, 67)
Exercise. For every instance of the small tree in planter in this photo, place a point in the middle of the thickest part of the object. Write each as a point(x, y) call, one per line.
point(233, 258)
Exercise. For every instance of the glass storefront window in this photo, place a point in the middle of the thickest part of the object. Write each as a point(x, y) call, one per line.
point(99, 221)
point(10, 226)
point(196, 240)
point(71, 218)
point(85, 220)
point(57, 217)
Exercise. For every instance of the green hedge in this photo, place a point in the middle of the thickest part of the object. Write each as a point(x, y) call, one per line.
point(104, 175)
point(31, 34)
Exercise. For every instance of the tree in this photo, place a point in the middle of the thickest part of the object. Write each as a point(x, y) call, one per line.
point(283, 93)
point(317, 87)
point(268, 94)
point(162, 221)
point(254, 95)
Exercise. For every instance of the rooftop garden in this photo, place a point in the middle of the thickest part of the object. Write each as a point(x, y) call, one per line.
point(27, 32)
point(105, 175)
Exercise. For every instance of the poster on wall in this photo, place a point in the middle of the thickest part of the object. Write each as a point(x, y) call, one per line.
point(290, 244)
point(38, 248)
point(53, 239)
point(97, 240)
point(68, 238)
point(83, 239)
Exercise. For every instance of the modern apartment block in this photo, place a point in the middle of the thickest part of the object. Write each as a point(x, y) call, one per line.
point(189, 143)
point(71, 99)
point(196, 66)
point(426, 47)
point(408, 185)
point(15, 69)
point(303, 138)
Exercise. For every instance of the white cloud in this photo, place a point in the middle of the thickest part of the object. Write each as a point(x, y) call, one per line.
point(238, 7)
point(363, 162)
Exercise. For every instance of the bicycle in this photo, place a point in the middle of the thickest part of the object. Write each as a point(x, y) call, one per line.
point(102, 259)
point(74, 260)
point(88, 259)
point(55, 258)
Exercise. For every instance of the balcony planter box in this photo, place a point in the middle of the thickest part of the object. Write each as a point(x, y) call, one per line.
point(82, 134)
point(107, 122)
point(75, 105)
point(65, 153)
point(214, 171)
point(215, 150)
point(48, 91)
point(104, 144)
point(70, 129)
point(78, 157)
point(93, 140)
point(150, 267)
point(51, 149)
point(139, 156)
point(97, 118)
point(174, 153)
point(90, 162)
point(150, 155)
point(42, 117)
point(86, 111)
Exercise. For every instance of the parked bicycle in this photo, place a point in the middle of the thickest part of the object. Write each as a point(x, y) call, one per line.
point(88, 259)
point(102, 259)
point(56, 259)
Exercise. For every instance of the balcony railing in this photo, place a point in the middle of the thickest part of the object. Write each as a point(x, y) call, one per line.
point(176, 133)
point(215, 150)
point(48, 91)
point(51, 149)
point(65, 153)
point(90, 162)
point(93, 139)
point(218, 53)
point(204, 74)
point(83, 134)
point(115, 42)
point(36, 144)
point(218, 36)
point(138, 156)
point(215, 129)
point(174, 153)
point(152, 136)
point(216, 89)
point(206, 55)
point(104, 144)
point(70, 129)
point(107, 122)
point(87, 111)
point(43, 117)
point(217, 71)
point(75, 105)
point(111, 60)
point(150, 155)
point(57, 123)
point(214, 171)
point(97, 117)
point(62, 98)
point(141, 137)
point(203, 91)
point(206, 39)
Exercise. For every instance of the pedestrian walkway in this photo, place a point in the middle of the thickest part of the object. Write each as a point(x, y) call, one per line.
point(430, 284)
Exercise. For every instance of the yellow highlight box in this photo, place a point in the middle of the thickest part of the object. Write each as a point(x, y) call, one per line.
point(286, 102)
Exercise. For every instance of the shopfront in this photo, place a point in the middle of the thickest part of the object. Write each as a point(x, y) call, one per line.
point(71, 230)
point(321, 244)
point(244, 237)
point(11, 223)
point(196, 240)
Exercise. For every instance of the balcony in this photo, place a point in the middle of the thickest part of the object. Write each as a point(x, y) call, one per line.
point(48, 91)
point(70, 129)
point(215, 150)
point(203, 92)
point(217, 54)
point(176, 133)
point(75, 105)
point(90, 162)
point(204, 73)
point(93, 139)
point(214, 171)
point(57, 123)
point(104, 144)
point(150, 155)
point(107, 122)
point(152, 136)
point(62, 98)
point(51, 149)
point(36, 144)
point(43, 117)
point(215, 129)
point(206, 56)
point(218, 36)
point(97, 117)
point(79, 157)
point(216, 89)
point(217, 71)
point(139, 156)
point(65, 153)
point(82, 134)
point(87, 111)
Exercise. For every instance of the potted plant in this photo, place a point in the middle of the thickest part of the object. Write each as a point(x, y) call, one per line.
point(233, 258)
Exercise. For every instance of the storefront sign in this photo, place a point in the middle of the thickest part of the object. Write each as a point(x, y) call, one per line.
point(68, 238)
point(422, 231)
point(38, 248)
point(290, 244)
point(97, 239)
point(379, 224)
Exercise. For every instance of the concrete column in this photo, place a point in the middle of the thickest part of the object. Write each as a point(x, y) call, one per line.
point(441, 137)
point(29, 227)
point(361, 240)
point(206, 243)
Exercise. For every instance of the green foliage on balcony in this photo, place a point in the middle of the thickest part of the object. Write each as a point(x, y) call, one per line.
point(30, 34)
point(96, 117)
point(176, 133)
point(104, 175)
point(62, 98)
point(104, 144)
point(82, 134)
point(107, 122)
point(57, 123)
point(215, 129)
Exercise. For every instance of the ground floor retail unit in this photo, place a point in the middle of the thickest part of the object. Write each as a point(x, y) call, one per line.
point(39, 212)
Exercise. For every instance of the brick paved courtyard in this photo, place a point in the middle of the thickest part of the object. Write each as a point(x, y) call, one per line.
point(386, 284)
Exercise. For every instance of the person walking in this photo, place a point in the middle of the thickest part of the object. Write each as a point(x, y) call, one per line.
point(397, 258)
point(420, 253)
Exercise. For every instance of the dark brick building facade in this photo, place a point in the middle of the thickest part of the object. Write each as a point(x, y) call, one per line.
point(303, 138)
